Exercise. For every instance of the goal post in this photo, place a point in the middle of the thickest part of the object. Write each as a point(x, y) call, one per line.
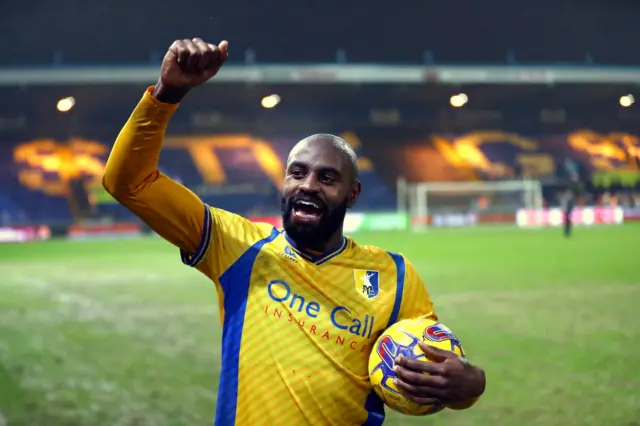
point(429, 203)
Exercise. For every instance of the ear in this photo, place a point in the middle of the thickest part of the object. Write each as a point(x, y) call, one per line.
point(354, 193)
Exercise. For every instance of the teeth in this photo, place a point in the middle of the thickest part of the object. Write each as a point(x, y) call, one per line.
point(308, 203)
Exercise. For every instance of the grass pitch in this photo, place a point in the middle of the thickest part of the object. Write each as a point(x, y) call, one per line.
point(119, 333)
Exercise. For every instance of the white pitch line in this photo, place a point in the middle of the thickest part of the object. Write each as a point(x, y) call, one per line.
point(3, 420)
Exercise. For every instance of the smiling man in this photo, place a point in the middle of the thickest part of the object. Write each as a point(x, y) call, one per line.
point(313, 209)
point(301, 307)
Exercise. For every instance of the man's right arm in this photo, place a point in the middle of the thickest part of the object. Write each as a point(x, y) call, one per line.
point(170, 209)
point(131, 176)
point(209, 239)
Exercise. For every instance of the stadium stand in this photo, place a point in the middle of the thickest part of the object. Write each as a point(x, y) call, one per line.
point(245, 178)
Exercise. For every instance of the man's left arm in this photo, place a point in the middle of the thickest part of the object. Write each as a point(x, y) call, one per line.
point(450, 380)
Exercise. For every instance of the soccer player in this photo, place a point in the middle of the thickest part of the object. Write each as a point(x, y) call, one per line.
point(568, 202)
point(301, 307)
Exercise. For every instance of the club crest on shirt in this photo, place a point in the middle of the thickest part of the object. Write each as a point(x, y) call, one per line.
point(367, 282)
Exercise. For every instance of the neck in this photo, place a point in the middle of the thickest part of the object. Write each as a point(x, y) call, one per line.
point(331, 243)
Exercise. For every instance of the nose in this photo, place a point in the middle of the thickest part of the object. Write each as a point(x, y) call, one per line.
point(309, 185)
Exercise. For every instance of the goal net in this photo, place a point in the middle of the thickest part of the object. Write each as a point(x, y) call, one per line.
point(466, 203)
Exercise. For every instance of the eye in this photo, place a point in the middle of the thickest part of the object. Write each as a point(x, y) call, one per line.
point(296, 173)
point(327, 179)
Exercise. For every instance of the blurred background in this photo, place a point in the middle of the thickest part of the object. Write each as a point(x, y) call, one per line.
point(463, 114)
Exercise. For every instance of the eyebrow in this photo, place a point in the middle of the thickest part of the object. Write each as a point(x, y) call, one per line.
point(322, 169)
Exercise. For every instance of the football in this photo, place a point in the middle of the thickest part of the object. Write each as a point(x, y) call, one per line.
point(402, 339)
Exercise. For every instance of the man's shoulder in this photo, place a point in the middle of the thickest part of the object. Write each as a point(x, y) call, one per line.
point(373, 254)
point(240, 227)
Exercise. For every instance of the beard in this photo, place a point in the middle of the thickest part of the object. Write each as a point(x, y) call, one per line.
point(312, 235)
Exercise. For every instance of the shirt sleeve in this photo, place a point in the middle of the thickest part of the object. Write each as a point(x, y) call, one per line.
point(225, 238)
point(173, 211)
point(416, 302)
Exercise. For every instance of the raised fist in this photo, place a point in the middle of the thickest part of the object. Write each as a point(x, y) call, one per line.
point(187, 64)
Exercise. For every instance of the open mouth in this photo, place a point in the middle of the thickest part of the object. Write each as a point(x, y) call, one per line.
point(307, 211)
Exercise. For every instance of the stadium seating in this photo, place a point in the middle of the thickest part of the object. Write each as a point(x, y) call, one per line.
point(245, 178)
point(246, 187)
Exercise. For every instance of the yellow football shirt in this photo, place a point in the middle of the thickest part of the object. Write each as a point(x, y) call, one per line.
point(298, 327)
